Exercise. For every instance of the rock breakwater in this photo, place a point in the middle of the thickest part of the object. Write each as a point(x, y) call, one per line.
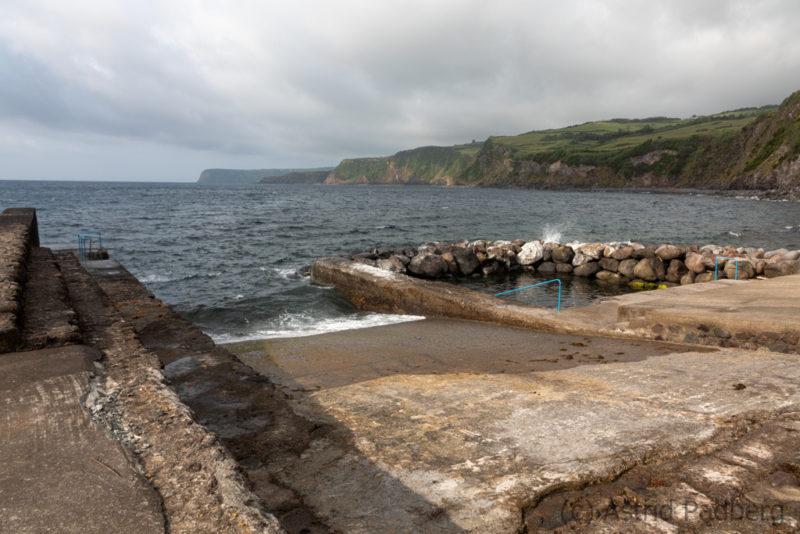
point(639, 265)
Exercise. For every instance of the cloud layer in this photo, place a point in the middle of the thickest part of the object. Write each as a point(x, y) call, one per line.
point(163, 89)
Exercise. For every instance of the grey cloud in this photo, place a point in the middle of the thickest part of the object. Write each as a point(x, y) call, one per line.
point(311, 83)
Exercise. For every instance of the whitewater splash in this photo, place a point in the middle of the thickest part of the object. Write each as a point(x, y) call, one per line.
point(552, 233)
point(301, 325)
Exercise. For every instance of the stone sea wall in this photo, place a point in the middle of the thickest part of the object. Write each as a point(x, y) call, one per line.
point(642, 266)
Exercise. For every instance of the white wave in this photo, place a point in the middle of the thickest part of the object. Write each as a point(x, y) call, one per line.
point(301, 325)
point(735, 234)
point(286, 273)
point(155, 278)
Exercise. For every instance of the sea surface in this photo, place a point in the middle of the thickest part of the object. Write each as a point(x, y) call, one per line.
point(225, 257)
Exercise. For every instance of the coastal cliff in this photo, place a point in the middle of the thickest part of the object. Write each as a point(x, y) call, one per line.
point(252, 176)
point(755, 149)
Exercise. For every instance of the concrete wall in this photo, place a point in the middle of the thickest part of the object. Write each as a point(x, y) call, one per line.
point(18, 234)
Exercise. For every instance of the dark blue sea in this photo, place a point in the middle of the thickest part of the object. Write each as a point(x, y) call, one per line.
point(225, 257)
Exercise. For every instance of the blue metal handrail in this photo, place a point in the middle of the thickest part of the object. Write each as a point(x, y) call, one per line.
point(716, 264)
point(85, 238)
point(535, 285)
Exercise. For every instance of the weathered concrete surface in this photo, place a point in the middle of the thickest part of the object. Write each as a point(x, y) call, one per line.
point(59, 470)
point(439, 451)
point(478, 448)
point(248, 414)
point(749, 486)
point(200, 484)
point(48, 319)
point(432, 346)
point(747, 314)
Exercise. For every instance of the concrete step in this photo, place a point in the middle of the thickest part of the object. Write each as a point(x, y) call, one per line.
point(48, 319)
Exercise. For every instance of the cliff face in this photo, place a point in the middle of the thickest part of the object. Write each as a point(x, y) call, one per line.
point(757, 149)
point(232, 176)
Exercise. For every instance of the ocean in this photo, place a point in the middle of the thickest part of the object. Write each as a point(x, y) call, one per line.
point(225, 257)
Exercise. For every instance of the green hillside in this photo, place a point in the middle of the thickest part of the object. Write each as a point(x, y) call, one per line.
point(750, 148)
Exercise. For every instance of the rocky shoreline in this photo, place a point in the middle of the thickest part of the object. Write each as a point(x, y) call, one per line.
point(641, 266)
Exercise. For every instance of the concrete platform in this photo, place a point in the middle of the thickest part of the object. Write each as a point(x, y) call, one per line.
point(467, 450)
point(60, 471)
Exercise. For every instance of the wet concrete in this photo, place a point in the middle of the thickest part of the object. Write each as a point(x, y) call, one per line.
point(433, 346)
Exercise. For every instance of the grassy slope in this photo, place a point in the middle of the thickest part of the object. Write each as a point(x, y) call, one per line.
point(741, 148)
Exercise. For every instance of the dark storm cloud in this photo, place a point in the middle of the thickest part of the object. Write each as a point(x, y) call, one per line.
point(309, 83)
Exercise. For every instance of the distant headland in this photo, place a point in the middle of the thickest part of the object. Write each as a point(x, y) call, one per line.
point(270, 176)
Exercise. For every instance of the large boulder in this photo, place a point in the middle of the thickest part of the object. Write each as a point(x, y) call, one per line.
point(502, 251)
point(549, 246)
point(688, 278)
point(593, 250)
point(781, 268)
point(478, 246)
point(791, 256)
point(564, 268)
point(675, 271)
point(622, 253)
point(547, 267)
point(466, 260)
point(626, 268)
point(704, 277)
point(563, 254)
point(668, 252)
point(649, 269)
point(428, 265)
point(531, 252)
point(778, 252)
point(744, 271)
point(694, 262)
point(452, 267)
point(644, 252)
point(586, 269)
point(580, 258)
point(609, 264)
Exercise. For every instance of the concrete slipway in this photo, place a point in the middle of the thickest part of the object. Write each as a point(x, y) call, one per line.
point(442, 441)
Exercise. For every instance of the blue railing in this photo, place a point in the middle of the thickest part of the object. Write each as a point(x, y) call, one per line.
point(86, 240)
point(716, 264)
point(536, 285)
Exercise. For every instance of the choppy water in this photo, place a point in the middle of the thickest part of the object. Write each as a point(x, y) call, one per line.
point(225, 257)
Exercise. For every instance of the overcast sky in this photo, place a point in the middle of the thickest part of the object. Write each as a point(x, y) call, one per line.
point(160, 90)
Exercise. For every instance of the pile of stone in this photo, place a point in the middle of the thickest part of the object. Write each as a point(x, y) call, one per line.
point(608, 262)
